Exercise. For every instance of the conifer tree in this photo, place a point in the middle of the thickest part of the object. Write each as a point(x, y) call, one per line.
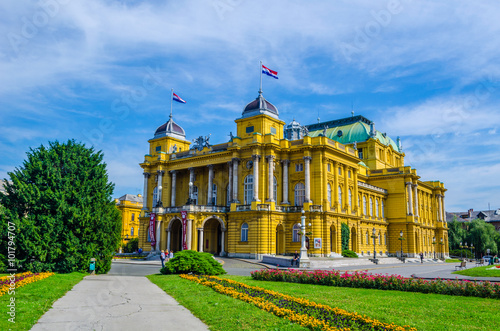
point(59, 203)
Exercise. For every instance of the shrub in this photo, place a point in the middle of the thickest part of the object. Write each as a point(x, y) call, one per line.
point(349, 253)
point(193, 262)
point(132, 246)
point(461, 252)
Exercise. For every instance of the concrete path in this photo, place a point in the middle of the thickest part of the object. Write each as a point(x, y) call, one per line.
point(108, 302)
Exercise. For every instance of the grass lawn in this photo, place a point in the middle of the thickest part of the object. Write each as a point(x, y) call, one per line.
point(485, 271)
point(423, 311)
point(218, 311)
point(33, 300)
point(453, 261)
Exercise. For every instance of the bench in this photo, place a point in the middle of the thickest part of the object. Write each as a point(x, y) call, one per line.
point(480, 262)
point(461, 266)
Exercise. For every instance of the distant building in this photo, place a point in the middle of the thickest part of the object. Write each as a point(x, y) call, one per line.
point(130, 207)
point(244, 197)
point(489, 216)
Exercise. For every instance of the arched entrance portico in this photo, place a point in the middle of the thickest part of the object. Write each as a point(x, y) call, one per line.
point(212, 236)
point(280, 240)
point(174, 235)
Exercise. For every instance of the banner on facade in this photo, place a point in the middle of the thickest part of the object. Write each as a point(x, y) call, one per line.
point(184, 229)
point(152, 229)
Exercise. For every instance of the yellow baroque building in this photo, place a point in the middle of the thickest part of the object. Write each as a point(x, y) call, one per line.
point(130, 207)
point(244, 197)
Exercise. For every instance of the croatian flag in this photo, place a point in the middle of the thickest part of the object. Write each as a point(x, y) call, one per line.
point(269, 72)
point(177, 98)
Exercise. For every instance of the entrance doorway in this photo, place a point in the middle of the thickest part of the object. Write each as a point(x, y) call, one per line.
point(176, 235)
point(280, 240)
point(212, 236)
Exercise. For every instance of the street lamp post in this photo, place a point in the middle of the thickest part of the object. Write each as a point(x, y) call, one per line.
point(442, 248)
point(461, 253)
point(434, 244)
point(471, 248)
point(401, 238)
point(303, 248)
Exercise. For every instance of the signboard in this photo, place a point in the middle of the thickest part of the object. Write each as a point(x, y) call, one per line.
point(317, 243)
point(152, 229)
point(184, 229)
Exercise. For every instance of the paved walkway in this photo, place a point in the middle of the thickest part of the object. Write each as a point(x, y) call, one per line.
point(108, 302)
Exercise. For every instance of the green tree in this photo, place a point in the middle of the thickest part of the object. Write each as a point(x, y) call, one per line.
point(345, 235)
point(483, 236)
point(60, 204)
point(456, 234)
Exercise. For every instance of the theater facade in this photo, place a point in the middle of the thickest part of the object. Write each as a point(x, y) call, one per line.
point(244, 197)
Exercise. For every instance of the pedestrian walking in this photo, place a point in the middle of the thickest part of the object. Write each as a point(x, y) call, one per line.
point(171, 254)
point(421, 257)
point(162, 258)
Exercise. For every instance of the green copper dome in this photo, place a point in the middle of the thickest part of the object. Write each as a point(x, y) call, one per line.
point(349, 130)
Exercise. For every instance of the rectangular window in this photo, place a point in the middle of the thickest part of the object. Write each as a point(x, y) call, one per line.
point(299, 167)
point(273, 130)
point(249, 129)
point(158, 148)
point(133, 216)
point(329, 167)
point(360, 153)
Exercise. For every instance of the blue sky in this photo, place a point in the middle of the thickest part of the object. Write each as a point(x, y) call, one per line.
point(101, 72)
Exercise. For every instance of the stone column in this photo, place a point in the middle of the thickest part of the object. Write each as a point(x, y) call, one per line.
point(438, 197)
point(210, 194)
point(415, 193)
point(443, 210)
point(200, 240)
point(410, 199)
point(256, 159)
point(270, 159)
point(145, 196)
point(355, 193)
point(307, 175)
point(168, 240)
point(286, 164)
point(158, 235)
point(189, 234)
point(174, 181)
point(222, 252)
point(235, 179)
point(335, 190)
point(230, 184)
point(160, 187)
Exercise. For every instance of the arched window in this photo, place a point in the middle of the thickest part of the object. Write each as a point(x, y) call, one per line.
point(214, 194)
point(340, 196)
point(367, 237)
point(383, 211)
point(379, 239)
point(228, 198)
point(385, 238)
point(195, 195)
point(275, 189)
point(371, 206)
point(300, 192)
point(329, 194)
point(350, 199)
point(155, 196)
point(131, 231)
point(295, 233)
point(244, 232)
point(364, 205)
point(376, 207)
point(248, 189)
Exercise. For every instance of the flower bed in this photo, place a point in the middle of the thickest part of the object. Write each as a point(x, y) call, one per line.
point(13, 282)
point(301, 311)
point(382, 282)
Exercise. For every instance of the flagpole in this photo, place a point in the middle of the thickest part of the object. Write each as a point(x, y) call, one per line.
point(260, 89)
point(171, 101)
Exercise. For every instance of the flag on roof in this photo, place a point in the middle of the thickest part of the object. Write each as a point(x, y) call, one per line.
point(175, 97)
point(269, 72)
